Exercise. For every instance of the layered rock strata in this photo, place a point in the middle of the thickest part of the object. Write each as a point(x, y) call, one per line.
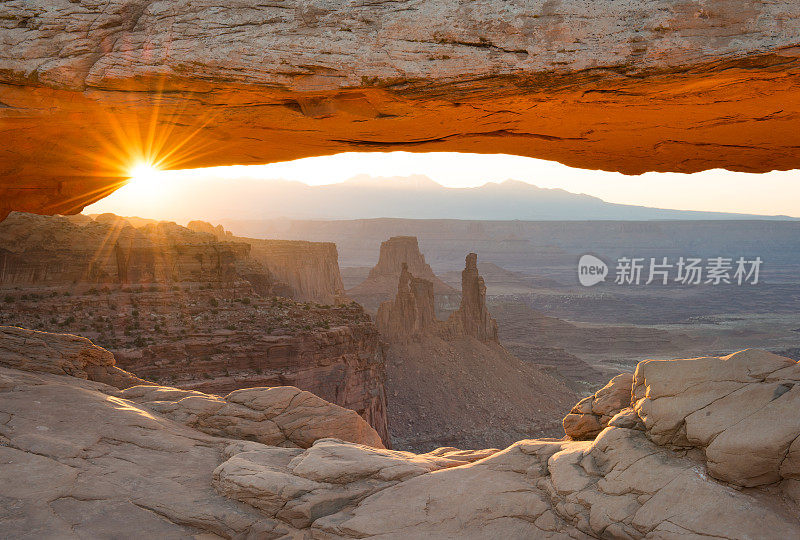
point(183, 308)
point(412, 313)
point(84, 459)
point(472, 318)
point(309, 271)
point(61, 354)
point(280, 415)
point(45, 251)
point(344, 365)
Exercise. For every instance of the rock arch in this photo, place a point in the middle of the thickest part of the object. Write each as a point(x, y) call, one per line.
point(659, 85)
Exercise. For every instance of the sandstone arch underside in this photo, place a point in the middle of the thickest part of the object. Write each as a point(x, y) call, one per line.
point(629, 86)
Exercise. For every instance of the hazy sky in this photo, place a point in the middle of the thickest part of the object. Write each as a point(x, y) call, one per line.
point(717, 190)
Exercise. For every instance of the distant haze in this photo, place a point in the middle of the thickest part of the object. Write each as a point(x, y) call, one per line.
point(363, 196)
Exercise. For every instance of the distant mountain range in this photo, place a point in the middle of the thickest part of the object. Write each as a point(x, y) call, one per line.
point(415, 197)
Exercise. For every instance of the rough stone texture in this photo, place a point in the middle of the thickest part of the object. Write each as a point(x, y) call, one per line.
point(80, 459)
point(412, 312)
point(299, 486)
point(605, 84)
point(310, 270)
point(736, 409)
point(62, 354)
point(592, 414)
point(740, 409)
point(624, 486)
point(344, 365)
point(281, 415)
point(42, 251)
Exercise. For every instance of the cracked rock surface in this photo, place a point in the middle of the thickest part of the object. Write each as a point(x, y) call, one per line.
point(84, 459)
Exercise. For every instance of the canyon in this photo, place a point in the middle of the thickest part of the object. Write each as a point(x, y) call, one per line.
point(661, 86)
point(695, 447)
point(585, 336)
point(208, 383)
point(194, 309)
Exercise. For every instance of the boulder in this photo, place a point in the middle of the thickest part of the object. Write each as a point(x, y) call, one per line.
point(82, 459)
point(299, 487)
point(592, 414)
point(739, 409)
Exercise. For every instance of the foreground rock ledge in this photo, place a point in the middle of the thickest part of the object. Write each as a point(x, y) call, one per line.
point(659, 85)
point(84, 459)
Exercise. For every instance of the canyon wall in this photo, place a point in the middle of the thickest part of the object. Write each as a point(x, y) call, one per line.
point(38, 251)
point(185, 308)
point(343, 365)
point(311, 269)
point(307, 271)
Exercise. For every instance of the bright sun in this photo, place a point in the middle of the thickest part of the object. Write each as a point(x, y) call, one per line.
point(146, 182)
point(144, 172)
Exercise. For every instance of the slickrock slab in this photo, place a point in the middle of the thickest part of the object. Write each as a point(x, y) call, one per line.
point(80, 459)
point(299, 487)
point(622, 485)
point(278, 416)
point(78, 462)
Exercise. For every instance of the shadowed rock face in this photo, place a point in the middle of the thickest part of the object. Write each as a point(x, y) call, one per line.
point(412, 311)
point(74, 273)
point(472, 318)
point(627, 86)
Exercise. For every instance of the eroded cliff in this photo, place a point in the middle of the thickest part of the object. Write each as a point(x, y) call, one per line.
point(381, 283)
point(307, 271)
point(183, 308)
